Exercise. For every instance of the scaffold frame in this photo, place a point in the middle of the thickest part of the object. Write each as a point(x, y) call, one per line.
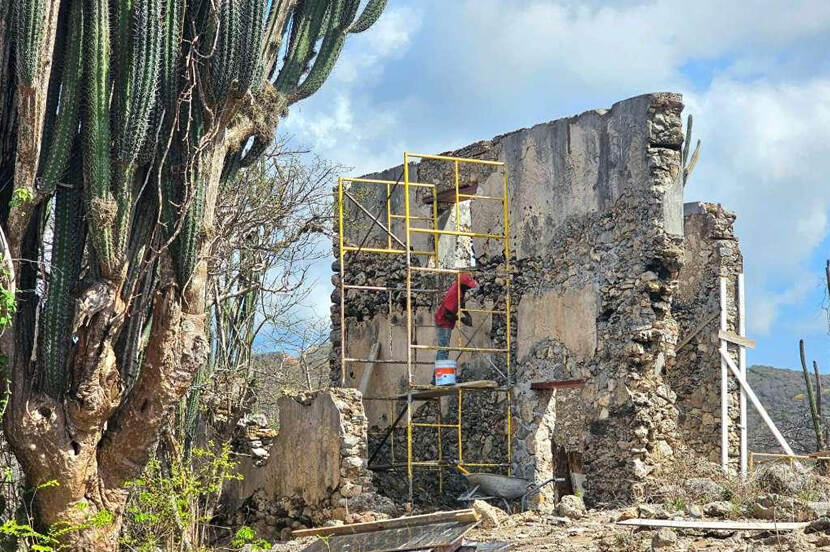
point(415, 392)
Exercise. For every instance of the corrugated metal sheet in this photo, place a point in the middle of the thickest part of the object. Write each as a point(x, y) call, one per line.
point(423, 537)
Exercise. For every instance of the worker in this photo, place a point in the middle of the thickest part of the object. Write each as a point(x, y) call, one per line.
point(447, 313)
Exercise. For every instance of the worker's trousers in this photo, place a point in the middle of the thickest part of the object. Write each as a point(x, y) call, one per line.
point(443, 335)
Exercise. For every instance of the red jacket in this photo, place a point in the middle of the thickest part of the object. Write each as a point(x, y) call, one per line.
point(450, 302)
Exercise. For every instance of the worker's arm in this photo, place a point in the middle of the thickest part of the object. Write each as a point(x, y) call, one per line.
point(466, 319)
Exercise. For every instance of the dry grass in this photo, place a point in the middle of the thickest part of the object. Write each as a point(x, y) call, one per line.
point(694, 482)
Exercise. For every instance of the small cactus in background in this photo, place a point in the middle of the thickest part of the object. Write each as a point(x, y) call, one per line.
point(688, 165)
point(814, 399)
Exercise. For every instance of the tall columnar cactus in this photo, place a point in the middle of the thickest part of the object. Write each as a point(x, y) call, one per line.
point(121, 142)
point(96, 126)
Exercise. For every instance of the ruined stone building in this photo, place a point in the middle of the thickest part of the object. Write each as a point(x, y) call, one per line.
point(609, 271)
point(612, 280)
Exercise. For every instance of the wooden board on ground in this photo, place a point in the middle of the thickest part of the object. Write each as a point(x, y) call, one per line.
point(717, 525)
point(454, 516)
point(486, 547)
point(444, 536)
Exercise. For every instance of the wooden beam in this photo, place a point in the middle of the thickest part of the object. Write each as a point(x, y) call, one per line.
point(717, 525)
point(695, 331)
point(736, 339)
point(448, 196)
point(433, 391)
point(557, 384)
point(457, 516)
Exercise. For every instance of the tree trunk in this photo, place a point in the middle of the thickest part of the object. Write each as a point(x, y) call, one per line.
point(83, 443)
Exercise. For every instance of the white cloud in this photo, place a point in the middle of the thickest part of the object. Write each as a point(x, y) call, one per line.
point(608, 47)
point(432, 74)
point(386, 40)
point(766, 156)
point(341, 123)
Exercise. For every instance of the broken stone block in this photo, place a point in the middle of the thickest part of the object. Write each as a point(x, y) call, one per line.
point(491, 516)
point(652, 511)
point(628, 513)
point(819, 509)
point(664, 538)
point(718, 509)
point(572, 507)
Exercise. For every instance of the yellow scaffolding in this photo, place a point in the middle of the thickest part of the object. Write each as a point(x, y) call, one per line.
point(417, 392)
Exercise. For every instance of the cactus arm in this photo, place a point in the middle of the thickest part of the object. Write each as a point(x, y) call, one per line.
point(276, 27)
point(225, 61)
point(96, 131)
point(324, 62)
point(818, 400)
point(164, 108)
point(141, 84)
point(53, 92)
point(305, 27)
point(369, 16)
point(66, 120)
point(811, 397)
point(340, 22)
point(687, 142)
point(30, 18)
point(250, 43)
point(66, 266)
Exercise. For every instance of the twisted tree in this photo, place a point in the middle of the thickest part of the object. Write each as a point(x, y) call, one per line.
point(119, 119)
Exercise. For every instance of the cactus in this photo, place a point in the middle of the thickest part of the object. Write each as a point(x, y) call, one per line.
point(101, 204)
point(371, 13)
point(688, 165)
point(815, 412)
point(62, 131)
point(30, 16)
point(144, 99)
point(225, 66)
point(66, 267)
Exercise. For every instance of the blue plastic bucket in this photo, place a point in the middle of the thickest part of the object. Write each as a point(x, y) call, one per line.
point(444, 372)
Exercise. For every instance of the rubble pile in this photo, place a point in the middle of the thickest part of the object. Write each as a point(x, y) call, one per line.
point(255, 437)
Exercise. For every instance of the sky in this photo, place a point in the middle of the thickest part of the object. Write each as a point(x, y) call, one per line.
point(433, 75)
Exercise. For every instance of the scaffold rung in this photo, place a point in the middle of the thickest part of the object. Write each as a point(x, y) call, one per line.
point(456, 233)
point(463, 349)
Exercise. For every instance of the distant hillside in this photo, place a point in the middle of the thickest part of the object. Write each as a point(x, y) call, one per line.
point(782, 392)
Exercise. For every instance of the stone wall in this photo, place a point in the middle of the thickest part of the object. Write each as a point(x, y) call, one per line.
point(316, 470)
point(596, 213)
point(711, 253)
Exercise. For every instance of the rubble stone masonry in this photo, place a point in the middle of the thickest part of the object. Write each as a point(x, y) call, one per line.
point(599, 291)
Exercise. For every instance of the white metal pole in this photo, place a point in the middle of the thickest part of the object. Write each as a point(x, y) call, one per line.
point(742, 366)
point(757, 404)
point(724, 389)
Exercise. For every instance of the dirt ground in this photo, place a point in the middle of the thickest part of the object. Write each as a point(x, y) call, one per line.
point(598, 532)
